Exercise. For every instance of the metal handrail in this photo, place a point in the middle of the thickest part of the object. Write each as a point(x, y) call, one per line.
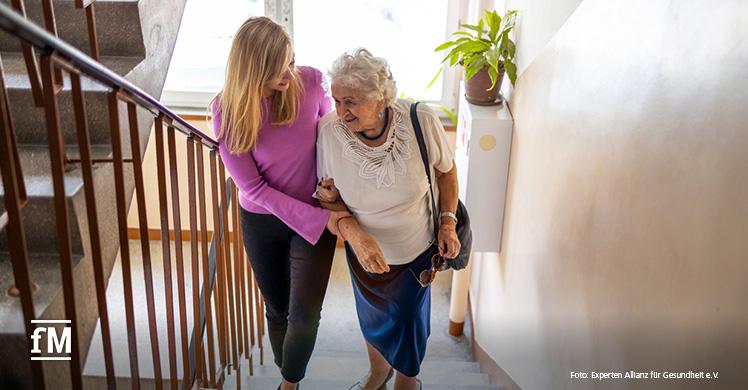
point(223, 263)
point(35, 35)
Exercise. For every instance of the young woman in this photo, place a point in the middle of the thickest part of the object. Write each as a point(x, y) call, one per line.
point(266, 119)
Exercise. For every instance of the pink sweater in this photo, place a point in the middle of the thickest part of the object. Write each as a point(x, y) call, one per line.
point(279, 176)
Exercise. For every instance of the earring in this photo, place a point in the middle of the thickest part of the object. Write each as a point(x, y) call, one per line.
point(381, 114)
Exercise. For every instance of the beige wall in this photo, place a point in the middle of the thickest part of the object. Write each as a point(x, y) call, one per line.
point(150, 173)
point(624, 243)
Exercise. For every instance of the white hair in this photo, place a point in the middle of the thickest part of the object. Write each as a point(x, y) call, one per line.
point(366, 73)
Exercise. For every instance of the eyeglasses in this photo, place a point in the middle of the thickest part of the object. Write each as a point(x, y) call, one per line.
point(427, 276)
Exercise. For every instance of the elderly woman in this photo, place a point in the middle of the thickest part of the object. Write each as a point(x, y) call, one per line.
point(369, 162)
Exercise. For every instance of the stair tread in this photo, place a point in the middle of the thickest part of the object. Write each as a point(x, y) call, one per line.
point(45, 272)
point(324, 361)
point(118, 26)
point(16, 75)
point(432, 371)
point(36, 169)
point(342, 383)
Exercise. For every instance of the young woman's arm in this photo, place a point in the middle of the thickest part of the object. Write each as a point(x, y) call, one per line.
point(307, 220)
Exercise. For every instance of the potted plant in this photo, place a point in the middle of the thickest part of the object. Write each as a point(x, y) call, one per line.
point(486, 52)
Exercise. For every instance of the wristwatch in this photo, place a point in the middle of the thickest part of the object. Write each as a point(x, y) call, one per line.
point(448, 214)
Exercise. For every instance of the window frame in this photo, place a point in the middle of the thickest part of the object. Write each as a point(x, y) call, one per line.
point(190, 101)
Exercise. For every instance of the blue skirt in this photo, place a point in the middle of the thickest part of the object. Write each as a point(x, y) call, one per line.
point(394, 310)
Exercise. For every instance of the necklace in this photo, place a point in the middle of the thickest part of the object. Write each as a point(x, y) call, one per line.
point(384, 127)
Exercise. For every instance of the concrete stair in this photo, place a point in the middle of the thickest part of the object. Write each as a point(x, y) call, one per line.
point(114, 22)
point(330, 371)
point(136, 40)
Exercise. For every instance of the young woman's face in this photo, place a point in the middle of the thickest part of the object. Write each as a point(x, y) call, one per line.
point(282, 81)
point(355, 111)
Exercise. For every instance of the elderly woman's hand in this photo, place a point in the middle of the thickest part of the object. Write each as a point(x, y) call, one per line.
point(327, 192)
point(449, 244)
point(368, 253)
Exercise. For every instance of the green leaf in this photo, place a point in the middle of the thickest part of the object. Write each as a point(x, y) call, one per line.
point(472, 27)
point(454, 51)
point(480, 28)
point(465, 33)
point(494, 23)
point(511, 48)
point(454, 59)
point(478, 63)
point(445, 45)
point(451, 115)
point(493, 74)
point(492, 57)
point(435, 78)
point(472, 47)
point(509, 21)
point(511, 71)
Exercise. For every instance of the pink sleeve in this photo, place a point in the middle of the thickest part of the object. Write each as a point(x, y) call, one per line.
point(306, 220)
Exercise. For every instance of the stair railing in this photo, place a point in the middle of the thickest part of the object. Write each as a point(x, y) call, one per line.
point(231, 287)
point(50, 23)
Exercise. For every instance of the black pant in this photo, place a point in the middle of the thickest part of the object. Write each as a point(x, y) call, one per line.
point(292, 275)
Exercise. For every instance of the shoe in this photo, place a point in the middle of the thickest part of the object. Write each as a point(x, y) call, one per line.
point(383, 386)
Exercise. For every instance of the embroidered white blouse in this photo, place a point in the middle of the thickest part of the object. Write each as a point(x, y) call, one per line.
point(385, 187)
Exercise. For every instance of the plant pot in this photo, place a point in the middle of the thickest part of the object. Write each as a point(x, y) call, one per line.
point(476, 89)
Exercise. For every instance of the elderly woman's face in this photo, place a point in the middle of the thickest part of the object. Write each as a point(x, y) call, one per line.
point(354, 110)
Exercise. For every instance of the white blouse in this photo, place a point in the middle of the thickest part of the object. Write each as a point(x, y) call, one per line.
point(385, 187)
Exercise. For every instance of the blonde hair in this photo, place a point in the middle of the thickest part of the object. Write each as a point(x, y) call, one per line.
point(259, 52)
point(366, 73)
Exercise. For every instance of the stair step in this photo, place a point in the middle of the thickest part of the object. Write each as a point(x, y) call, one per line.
point(118, 26)
point(324, 368)
point(31, 129)
point(343, 383)
point(323, 363)
point(39, 213)
point(45, 272)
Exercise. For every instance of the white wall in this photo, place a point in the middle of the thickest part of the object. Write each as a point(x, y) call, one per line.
point(537, 22)
point(624, 243)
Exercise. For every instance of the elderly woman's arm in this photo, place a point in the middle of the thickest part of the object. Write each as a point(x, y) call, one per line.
point(449, 244)
point(364, 246)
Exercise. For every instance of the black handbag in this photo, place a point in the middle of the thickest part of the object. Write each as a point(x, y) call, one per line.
point(464, 234)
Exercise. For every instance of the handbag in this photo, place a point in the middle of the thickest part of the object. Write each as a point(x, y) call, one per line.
point(464, 233)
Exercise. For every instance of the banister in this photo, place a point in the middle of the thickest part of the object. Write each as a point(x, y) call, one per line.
point(35, 35)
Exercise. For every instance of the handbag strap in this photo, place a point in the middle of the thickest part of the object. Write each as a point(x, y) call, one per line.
point(425, 159)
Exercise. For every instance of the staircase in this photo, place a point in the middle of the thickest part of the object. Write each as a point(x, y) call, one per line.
point(339, 359)
point(136, 39)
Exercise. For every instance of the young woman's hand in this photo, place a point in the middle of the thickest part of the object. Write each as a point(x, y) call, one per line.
point(449, 243)
point(332, 222)
point(368, 253)
point(327, 192)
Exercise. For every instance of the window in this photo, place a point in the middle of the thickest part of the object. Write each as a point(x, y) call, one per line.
point(403, 32)
point(198, 65)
